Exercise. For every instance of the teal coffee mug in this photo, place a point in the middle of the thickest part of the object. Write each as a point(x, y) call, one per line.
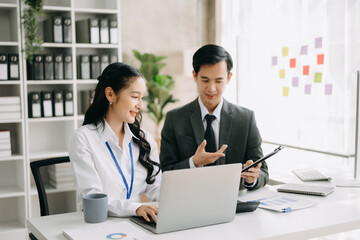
point(95, 207)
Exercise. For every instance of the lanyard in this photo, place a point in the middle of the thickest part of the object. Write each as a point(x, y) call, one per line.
point(128, 192)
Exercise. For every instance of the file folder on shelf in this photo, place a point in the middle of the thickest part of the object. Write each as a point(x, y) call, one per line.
point(113, 31)
point(84, 67)
point(49, 67)
point(3, 66)
point(13, 66)
point(53, 30)
point(34, 105)
point(95, 66)
point(58, 103)
point(67, 34)
point(113, 58)
point(58, 66)
point(46, 104)
point(88, 31)
point(104, 62)
point(104, 30)
point(68, 103)
point(36, 68)
point(68, 68)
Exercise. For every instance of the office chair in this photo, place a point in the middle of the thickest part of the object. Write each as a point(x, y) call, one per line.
point(35, 169)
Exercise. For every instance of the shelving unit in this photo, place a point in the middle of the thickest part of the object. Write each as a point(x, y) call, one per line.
point(40, 138)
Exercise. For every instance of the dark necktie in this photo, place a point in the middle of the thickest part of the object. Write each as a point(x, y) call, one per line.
point(209, 134)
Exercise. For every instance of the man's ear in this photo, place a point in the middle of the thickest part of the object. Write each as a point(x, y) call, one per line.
point(194, 76)
point(229, 77)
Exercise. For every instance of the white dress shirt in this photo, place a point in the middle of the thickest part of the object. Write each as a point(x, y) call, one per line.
point(96, 172)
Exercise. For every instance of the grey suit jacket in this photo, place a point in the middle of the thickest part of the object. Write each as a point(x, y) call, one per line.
point(183, 132)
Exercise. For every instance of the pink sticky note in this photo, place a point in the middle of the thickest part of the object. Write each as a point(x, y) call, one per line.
point(320, 59)
point(306, 70)
point(318, 42)
point(328, 89)
point(307, 89)
point(304, 50)
point(292, 62)
point(273, 61)
point(295, 81)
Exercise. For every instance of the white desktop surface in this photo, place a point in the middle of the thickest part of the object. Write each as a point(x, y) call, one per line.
point(337, 212)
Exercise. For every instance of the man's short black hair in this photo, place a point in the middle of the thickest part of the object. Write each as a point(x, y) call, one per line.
point(211, 54)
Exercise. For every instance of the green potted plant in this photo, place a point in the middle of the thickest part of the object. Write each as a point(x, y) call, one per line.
point(159, 86)
point(33, 41)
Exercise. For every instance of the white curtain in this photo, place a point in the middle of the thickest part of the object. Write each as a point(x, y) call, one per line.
point(296, 64)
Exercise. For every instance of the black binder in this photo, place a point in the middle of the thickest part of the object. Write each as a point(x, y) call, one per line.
point(84, 67)
point(88, 31)
point(13, 66)
point(104, 30)
point(68, 103)
point(46, 104)
point(85, 100)
point(3, 66)
point(36, 68)
point(34, 105)
point(104, 62)
point(68, 67)
point(58, 66)
point(114, 34)
point(67, 30)
point(53, 30)
point(49, 67)
point(113, 58)
point(58, 103)
point(95, 66)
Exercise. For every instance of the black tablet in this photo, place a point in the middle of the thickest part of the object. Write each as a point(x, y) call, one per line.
point(263, 158)
point(246, 206)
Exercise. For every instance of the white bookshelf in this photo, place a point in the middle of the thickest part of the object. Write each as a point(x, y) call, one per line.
point(40, 138)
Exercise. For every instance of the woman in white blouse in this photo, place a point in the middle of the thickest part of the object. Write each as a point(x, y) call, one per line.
point(110, 153)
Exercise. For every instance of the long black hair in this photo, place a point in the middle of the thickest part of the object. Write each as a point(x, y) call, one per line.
point(119, 76)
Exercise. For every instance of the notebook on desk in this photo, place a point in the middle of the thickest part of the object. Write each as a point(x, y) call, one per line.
point(306, 189)
point(196, 197)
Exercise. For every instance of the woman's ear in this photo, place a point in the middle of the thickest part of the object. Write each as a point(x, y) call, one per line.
point(110, 95)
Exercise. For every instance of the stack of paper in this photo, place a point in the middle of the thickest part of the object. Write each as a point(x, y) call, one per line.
point(10, 108)
point(279, 202)
point(120, 230)
point(61, 175)
point(5, 144)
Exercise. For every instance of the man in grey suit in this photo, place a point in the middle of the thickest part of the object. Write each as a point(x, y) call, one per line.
point(192, 134)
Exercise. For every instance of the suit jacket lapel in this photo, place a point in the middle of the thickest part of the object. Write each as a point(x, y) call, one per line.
point(226, 122)
point(196, 123)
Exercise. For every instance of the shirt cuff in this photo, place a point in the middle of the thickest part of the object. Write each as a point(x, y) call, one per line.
point(191, 162)
point(247, 185)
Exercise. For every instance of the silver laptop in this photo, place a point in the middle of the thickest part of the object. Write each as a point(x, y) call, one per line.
point(196, 197)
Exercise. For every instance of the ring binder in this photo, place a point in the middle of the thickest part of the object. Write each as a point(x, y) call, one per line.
point(3, 66)
point(84, 67)
point(13, 67)
point(68, 67)
point(58, 66)
point(46, 104)
point(67, 30)
point(104, 30)
point(49, 67)
point(34, 105)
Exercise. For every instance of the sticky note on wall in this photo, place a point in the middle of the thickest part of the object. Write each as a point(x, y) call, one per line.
point(285, 51)
point(318, 77)
point(318, 42)
point(307, 89)
point(328, 89)
point(306, 70)
point(286, 91)
point(304, 50)
point(292, 62)
point(282, 73)
point(295, 81)
point(320, 59)
point(274, 61)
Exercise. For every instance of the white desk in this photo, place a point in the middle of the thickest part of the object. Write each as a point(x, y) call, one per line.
point(338, 212)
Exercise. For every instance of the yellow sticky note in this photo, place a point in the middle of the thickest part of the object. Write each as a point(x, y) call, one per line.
point(318, 77)
point(282, 73)
point(286, 91)
point(285, 51)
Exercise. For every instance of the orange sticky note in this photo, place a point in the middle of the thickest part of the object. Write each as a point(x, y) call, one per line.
point(292, 62)
point(282, 73)
point(285, 51)
point(306, 70)
point(318, 77)
point(320, 59)
point(286, 91)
